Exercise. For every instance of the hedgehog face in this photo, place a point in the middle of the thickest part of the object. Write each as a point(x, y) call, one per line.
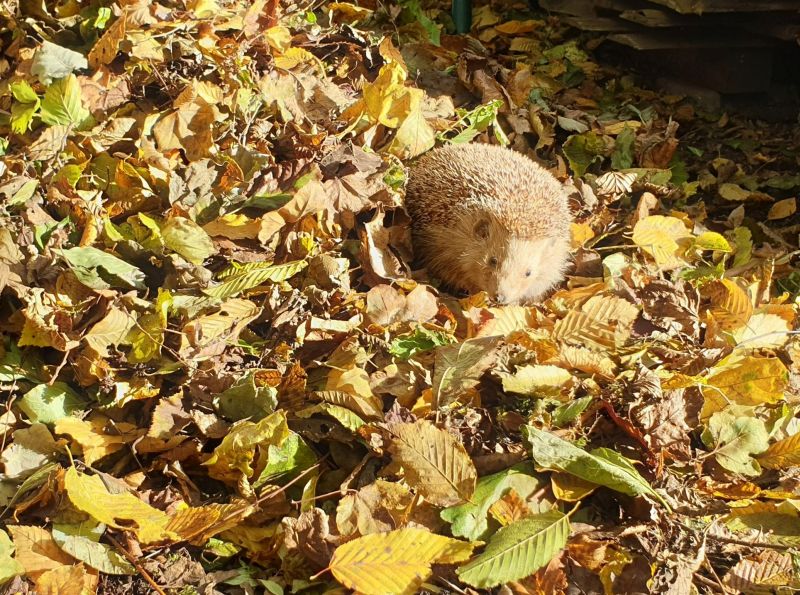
point(529, 268)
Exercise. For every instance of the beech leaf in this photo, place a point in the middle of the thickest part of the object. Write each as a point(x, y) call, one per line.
point(397, 562)
point(435, 463)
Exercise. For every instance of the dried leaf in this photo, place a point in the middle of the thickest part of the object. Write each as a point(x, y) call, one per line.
point(435, 463)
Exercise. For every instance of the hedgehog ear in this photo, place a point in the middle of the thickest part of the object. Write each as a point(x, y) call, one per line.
point(481, 229)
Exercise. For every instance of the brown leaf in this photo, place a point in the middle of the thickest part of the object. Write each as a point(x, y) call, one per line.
point(434, 462)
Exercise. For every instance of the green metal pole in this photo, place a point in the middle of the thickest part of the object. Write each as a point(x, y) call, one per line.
point(462, 15)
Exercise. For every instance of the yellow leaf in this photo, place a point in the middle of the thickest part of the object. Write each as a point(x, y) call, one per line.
point(581, 233)
point(203, 8)
point(734, 192)
point(711, 240)
point(120, 510)
point(730, 304)
point(234, 226)
point(231, 460)
point(349, 13)
point(538, 380)
point(782, 209)
point(570, 488)
point(198, 524)
point(279, 38)
point(506, 320)
point(294, 56)
point(94, 442)
point(67, 580)
point(587, 361)
point(387, 100)
point(603, 322)
point(762, 331)
point(746, 381)
point(663, 238)
point(187, 128)
point(37, 551)
point(782, 454)
point(415, 135)
point(518, 27)
point(354, 381)
point(434, 462)
point(147, 336)
point(397, 562)
point(110, 331)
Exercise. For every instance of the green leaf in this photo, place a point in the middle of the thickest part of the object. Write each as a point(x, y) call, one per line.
point(344, 416)
point(622, 157)
point(82, 541)
point(602, 466)
point(564, 414)
point(422, 339)
point(25, 106)
point(188, 239)
point(245, 400)
point(9, 567)
point(743, 239)
point(431, 28)
point(147, 336)
point(286, 461)
point(735, 440)
point(254, 278)
point(22, 116)
point(23, 92)
point(711, 240)
point(25, 193)
point(101, 270)
point(476, 121)
point(470, 520)
point(48, 403)
point(52, 62)
point(62, 103)
point(518, 550)
point(582, 150)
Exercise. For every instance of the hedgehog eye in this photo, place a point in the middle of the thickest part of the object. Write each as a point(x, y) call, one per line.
point(527, 273)
point(493, 262)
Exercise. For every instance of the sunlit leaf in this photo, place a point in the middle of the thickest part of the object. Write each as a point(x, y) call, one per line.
point(518, 550)
point(122, 510)
point(62, 103)
point(735, 440)
point(396, 562)
point(435, 463)
point(601, 466)
point(250, 279)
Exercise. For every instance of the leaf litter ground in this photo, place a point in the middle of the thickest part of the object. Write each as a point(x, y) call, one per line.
point(223, 373)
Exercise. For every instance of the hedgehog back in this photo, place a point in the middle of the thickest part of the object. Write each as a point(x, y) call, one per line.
point(457, 179)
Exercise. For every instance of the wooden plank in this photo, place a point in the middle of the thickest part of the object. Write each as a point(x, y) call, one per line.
point(603, 24)
point(578, 8)
point(705, 6)
point(653, 17)
point(670, 39)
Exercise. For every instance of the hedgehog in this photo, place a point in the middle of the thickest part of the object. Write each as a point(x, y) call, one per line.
point(487, 218)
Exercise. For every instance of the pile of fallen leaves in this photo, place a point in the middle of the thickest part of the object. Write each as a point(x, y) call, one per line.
point(222, 374)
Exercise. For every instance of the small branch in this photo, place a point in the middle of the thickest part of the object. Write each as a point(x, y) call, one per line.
point(145, 575)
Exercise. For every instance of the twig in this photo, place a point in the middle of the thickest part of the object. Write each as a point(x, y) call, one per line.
point(708, 583)
point(145, 575)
